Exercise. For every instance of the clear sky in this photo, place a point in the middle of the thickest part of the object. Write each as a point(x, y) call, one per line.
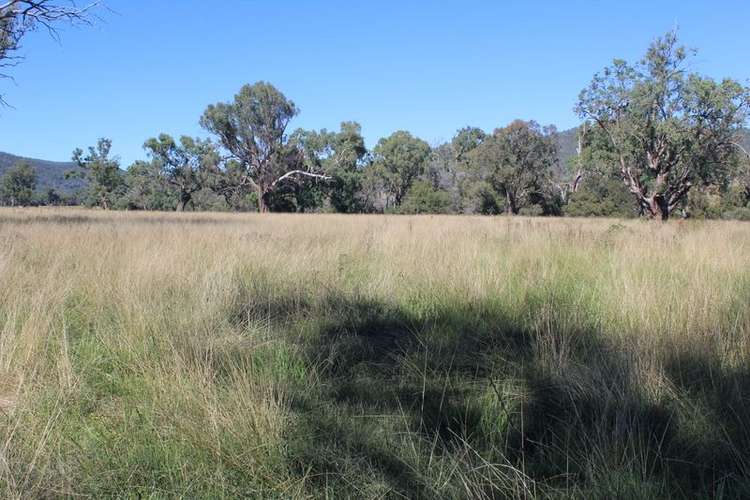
point(429, 67)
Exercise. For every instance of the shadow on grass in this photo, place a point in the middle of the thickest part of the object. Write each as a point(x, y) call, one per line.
point(400, 393)
point(715, 456)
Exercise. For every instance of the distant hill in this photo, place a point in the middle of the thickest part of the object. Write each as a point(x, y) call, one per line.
point(51, 174)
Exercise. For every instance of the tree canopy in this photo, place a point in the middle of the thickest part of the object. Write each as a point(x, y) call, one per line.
point(187, 166)
point(400, 158)
point(252, 128)
point(101, 171)
point(667, 128)
point(18, 185)
point(515, 161)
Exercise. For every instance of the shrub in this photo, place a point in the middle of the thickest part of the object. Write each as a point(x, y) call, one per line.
point(423, 198)
point(740, 213)
point(600, 196)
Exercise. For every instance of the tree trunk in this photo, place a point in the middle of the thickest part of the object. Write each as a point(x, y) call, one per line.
point(510, 204)
point(657, 207)
point(182, 204)
point(262, 205)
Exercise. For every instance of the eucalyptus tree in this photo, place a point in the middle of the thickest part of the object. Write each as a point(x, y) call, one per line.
point(516, 161)
point(186, 166)
point(101, 171)
point(18, 184)
point(340, 156)
point(399, 160)
point(667, 129)
point(146, 188)
point(465, 141)
point(252, 129)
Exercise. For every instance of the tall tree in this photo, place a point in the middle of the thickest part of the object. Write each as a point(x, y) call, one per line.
point(667, 129)
point(400, 159)
point(252, 128)
point(516, 161)
point(185, 166)
point(466, 192)
point(18, 185)
point(19, 17)
point(101, 171)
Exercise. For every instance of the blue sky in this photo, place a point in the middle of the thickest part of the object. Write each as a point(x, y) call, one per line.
point(427, 67)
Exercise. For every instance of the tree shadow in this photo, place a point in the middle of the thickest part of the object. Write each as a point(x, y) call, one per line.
point(438, 375)
point(393, 389)
point(713, 453)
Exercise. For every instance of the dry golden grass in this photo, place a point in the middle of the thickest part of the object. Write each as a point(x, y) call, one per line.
point(209, 355)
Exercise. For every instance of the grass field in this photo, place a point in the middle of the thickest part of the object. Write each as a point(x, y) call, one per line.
point(331, 356)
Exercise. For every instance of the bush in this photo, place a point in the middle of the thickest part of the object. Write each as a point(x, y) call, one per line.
point(423, 198)
point(531, 211)
point(705, 203)
point(740, 213)
point(600, 196)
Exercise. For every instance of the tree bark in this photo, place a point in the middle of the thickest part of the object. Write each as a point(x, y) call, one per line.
point(510, 204)
point(657, 207)
point(182, 204)
point(262, 192)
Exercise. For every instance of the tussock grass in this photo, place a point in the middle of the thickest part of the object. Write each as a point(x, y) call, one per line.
point(227, 355)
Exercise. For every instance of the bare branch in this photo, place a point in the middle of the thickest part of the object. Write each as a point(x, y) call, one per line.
point(19, 17)
point(300, 172)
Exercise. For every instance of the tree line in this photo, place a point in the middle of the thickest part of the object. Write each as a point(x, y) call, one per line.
point(655, 140)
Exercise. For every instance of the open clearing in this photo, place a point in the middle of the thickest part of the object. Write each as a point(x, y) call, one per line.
point(225, 355)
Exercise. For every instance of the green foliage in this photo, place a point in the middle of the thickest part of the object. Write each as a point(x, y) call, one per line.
point(338, 155)
point(252, 129)
point(105, 179)
point(739, 213)
point(443, 173)
point(714, 202)
point(667, 129)
point(465, 141)
point(423, 198)
point(656, 126)
point(186, 167)
point(52, 197)
point(534, 210)
point(400, 159)
point(516, 161)
point(147, 189)
point(706, 203)
point(600, 196)
point(345, 168)
point(17, 185)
